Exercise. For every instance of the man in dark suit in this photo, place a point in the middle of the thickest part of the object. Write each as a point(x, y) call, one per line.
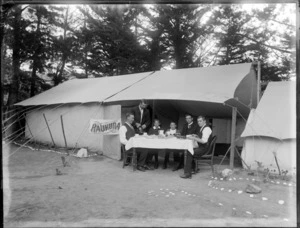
point(142, 118)
point(189, 128)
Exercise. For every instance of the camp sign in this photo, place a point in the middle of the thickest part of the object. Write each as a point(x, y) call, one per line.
point(99, 126)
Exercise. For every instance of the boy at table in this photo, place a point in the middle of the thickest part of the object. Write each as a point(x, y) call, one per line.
point(126, 132)
point(154, 130)
point(170, 132)
point(203, 138)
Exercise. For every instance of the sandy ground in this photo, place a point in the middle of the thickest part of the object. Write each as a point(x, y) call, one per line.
point(96, 191)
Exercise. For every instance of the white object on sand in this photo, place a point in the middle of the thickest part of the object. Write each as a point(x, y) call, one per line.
point(281, 202)
point(82, 153)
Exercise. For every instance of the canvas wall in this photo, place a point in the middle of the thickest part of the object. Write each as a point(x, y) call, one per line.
point(76, 119)
point(261, 149)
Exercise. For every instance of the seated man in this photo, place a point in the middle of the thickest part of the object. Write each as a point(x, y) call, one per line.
point(202, 138)
point(189, 128)
point(126, 132)
point(154, 152)
point(171, 131)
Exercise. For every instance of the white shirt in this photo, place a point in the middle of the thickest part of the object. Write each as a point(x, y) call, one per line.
point(122, 133)
point(205, 133)
point(190, 124)
point(172, 132)
point(156, 128)
point(142, 111)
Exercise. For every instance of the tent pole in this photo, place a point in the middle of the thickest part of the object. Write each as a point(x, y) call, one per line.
point(49, 130)
point(233, 127)
point(63, 131)
point(29, 129)
point(258, 81)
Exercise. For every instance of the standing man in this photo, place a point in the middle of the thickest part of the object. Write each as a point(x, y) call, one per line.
point(189, 128)
point(126, 132)
point(203, 137)
point(142, 118)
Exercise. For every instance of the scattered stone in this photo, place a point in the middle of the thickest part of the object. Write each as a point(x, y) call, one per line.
point(252, 188)
point(229, 190)
point(221, 179)
point(284, 183)
point(216, 187)
point(266, 216)
point(161, 189)
point(222, 189)
point(285, 219)
point(241, 178)
point(281, 202)
point(230, 179)
point(248, 212)
point(251, 195)
point(167, 195)
point(58, 172)
point(277, 182)
point(290, 184)
point(220, 204)
point(216, 178)
point(227, 172)
point(240, 192)
point(264, 198)
point(234, 178)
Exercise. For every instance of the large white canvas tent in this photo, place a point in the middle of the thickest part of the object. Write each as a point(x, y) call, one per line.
point(271, 128)
point(208, 91)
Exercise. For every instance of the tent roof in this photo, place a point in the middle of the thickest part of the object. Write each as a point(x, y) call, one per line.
point(209, 84)
point(84, 90)
point(189, 89)
point(275, 115)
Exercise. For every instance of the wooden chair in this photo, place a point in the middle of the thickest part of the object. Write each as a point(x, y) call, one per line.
point(208, 157)
point(126, 155)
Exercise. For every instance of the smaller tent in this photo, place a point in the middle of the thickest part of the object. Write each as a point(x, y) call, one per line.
point(271, 129)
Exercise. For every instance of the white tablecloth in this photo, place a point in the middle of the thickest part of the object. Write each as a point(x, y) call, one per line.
point(160, 143)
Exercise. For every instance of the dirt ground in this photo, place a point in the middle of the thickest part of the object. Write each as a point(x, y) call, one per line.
point(96, 191)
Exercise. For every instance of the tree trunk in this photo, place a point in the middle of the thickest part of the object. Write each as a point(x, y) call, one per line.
point(14, 86)
point(64, 54)
point(36, 54)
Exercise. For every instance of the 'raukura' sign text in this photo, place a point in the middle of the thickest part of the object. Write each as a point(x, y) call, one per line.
point(99, 126)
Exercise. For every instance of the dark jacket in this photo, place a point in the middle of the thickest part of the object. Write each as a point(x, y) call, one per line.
point(146, 119)
point(192, 130)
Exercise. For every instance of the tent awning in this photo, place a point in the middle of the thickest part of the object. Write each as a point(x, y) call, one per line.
point(275, 115)
point(208, 84)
